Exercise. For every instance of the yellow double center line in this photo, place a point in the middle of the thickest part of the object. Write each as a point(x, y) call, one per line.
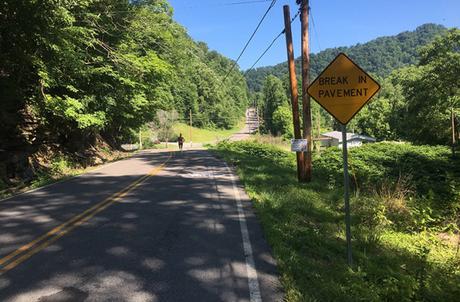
point(26, 251)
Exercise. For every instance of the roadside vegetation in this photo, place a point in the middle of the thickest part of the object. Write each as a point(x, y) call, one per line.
point(405, 220)
point(200, 135)
point(55, 165)
point(60, 166)
point(74, 73)
point(418, 103)
point(155, 137)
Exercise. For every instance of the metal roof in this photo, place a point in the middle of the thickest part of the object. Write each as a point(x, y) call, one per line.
point(350, 136)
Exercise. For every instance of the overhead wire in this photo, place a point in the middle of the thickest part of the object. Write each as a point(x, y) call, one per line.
point(263, 53)
point(271, 44)
point(314, 29)
point(249, 41)
point(266, 50)
point(245, 2)
point(231, 3)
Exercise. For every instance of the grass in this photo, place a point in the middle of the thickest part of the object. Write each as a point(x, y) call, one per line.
point(199, 135)
point(206, 135)
point(304, 225)
point(273, 140)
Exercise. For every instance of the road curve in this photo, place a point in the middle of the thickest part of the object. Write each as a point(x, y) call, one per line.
point(160, 226)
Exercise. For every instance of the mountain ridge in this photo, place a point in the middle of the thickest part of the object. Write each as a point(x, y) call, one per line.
point(378, 56)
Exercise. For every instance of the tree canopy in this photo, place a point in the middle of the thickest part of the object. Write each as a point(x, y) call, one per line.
point(73, 70)
point(110, 64)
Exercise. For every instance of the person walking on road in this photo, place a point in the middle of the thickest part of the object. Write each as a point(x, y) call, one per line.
point(180, 141)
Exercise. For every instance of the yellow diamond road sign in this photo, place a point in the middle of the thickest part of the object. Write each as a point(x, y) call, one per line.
point(343, 88)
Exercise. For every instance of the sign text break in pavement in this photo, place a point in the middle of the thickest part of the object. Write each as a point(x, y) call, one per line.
point(343, 88)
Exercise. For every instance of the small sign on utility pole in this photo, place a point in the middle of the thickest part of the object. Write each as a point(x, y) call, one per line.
point(299, 145)
point(343, 89)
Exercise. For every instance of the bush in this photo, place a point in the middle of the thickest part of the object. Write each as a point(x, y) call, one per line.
point(282, 122)
point(427, 173)
point(305, 227)
point(61, 165)
point(254, 149)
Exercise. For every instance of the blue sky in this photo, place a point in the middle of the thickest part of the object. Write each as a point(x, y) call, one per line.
point(226, 28)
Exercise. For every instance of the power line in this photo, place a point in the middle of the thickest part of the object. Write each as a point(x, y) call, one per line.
point(265, 51)
point(260, 57)
point(250, 38)
point(245, 2)
point(231, 3)
point(314, 29)
point(270, 45)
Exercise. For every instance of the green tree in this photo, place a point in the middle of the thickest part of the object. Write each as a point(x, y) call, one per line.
point(282, 122)
point(82, 70)
point(274, 96)
point(165, 121)
point(432, 90)
point(381, 117)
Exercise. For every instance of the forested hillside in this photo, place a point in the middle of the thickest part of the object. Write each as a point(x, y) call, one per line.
point(418, 103)
point(379, 57)
point(75, 72)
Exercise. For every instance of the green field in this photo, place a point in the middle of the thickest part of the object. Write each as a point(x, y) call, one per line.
point(405, 221)
point(205, 135)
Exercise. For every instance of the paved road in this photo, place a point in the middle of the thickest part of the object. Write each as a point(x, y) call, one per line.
point(251, 126)
point(160, 226)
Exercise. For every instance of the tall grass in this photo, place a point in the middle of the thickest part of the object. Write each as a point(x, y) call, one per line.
point(398, 251)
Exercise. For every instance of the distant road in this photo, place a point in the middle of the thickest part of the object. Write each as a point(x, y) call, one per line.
point(251, 126)
point(159, 226)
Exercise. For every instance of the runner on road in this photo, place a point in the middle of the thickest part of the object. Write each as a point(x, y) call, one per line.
point(180, 141)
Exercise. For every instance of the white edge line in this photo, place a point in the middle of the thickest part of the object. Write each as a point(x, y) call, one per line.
point(104, 165)
point(253, 281)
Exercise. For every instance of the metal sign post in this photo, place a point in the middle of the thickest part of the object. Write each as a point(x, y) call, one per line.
point(343, 89)
point(346, 194)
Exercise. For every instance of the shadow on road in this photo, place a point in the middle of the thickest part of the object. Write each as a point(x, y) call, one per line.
point(174, 238)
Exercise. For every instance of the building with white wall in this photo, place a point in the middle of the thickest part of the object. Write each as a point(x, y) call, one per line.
point(334, 138)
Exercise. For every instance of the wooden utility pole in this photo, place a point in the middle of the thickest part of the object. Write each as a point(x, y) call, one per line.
point(452, 116)
point(293, 86)
point(190, 114)
point(140, 139)
point(306, 177)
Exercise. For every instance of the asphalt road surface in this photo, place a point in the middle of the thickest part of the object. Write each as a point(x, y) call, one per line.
point(159, 226)
point(251, 126)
